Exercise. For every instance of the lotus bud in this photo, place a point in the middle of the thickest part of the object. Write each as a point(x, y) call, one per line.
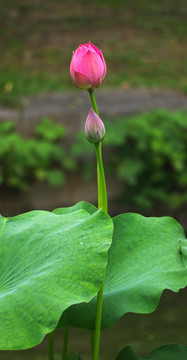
point(88, 67)
point(94, 128)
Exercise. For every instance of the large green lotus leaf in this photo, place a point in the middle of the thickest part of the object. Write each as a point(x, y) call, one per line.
point(166, 352)
point(144, 259)
point(47, 263)
point(183, 249)
point(91, 209)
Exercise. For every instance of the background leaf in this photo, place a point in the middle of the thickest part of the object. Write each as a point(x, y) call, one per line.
point(166, 352)
point(144, 259)
point(47, 263)
point(73, 356)
point(127, 354)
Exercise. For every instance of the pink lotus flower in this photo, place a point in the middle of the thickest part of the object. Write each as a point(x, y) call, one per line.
point(94, 128)
point(88, 67)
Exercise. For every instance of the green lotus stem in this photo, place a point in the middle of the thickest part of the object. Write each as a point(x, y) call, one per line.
point(93, 101)
point(102, 192)
point(65, 342)
point(102, 204)
point(101, 183)
point(51, 346)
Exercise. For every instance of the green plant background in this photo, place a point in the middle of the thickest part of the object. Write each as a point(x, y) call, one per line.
point(148, 153)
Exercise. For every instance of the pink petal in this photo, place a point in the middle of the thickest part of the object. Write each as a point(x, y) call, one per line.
point(94, 48)
point(81, 80)
point(72, 67)
point(99, 52)
point(91, 65)
point(104, 65)
point(97, 84)
point(81, 51)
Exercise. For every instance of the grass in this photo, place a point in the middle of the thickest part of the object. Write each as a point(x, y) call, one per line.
point(16, 82)
point(143, 43)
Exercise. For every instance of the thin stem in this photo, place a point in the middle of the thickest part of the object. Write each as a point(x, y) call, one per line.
point(93, 101)
point(51, 346)
point(102, 204)
point(97, 333)
point(102, 192)
point(65, 342)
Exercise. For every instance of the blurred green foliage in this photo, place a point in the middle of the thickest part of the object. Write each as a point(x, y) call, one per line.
point(147, 152)
point(41, 157)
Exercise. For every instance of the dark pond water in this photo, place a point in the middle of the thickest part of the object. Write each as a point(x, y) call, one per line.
point(167, 324)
